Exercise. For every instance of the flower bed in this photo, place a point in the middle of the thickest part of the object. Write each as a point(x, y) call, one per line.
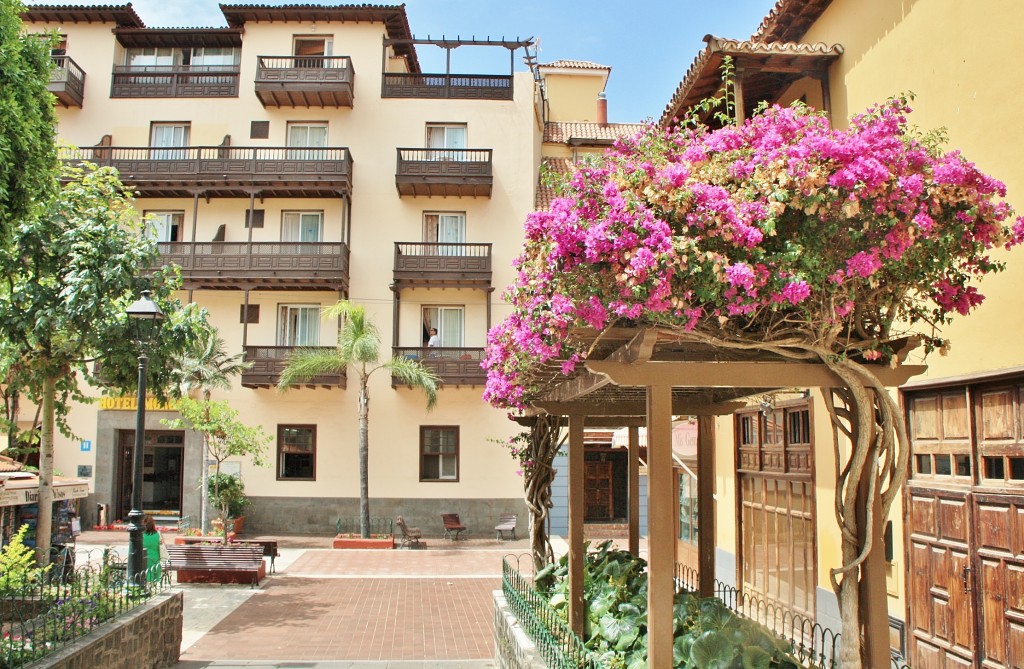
point(376, 541)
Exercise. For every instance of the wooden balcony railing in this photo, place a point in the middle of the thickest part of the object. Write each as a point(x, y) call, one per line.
point(455, 366)
point(226, 171)
point(174, 81)
point(67, 82)
point(444, 172)
point(269, 361)
point(442, 264)
point(460, 86)
point(260, 265)
point(304, 81)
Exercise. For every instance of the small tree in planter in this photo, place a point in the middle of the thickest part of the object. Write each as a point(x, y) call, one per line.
point(227, 492)
point(225, 437)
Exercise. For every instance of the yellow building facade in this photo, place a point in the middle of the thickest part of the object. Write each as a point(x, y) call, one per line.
point(299, 156)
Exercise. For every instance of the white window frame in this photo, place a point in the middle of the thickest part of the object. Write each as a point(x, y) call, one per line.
point(292, 225)
point(443, 318)
point(308, 143)
point(443, 136)
point(443, 228)
point(165, 226)
point(169, 147)
point(290, 318)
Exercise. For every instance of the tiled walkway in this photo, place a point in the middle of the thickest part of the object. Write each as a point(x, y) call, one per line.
point(351, 609)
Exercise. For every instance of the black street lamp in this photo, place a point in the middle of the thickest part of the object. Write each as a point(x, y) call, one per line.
point(148, 316)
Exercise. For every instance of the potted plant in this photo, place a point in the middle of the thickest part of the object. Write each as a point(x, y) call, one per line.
point(227, 493)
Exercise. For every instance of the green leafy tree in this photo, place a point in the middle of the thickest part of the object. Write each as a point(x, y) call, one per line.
point(63, 307)
point(28, 157)
point(202, 370)
point(358, 347)
point(224, 436)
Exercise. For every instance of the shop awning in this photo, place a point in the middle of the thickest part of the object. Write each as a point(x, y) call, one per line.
point(18, 488)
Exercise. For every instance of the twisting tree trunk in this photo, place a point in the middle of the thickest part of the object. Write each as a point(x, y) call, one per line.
point(546, 438)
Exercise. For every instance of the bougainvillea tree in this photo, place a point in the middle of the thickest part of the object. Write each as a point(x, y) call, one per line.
point(780, 235)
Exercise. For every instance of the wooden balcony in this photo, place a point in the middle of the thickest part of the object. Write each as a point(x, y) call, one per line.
point(174, 81)
point(67, 82)
point(455, 86)
point(226, 171)
point(269, 361)
point(442, 265)
point(444, 172)
point(304, 81)
point(455, 366)
point(260, 265)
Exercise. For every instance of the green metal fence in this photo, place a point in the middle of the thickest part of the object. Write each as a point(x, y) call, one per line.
point(557, 645)
point(41, 615)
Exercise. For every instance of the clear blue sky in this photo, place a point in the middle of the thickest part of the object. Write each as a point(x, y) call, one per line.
point(649, 44)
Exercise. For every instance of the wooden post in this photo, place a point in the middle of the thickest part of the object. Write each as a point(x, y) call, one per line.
point(661, 523)
point(706, 505)
point(576, 476)
point(634, 490)
point(741, 112)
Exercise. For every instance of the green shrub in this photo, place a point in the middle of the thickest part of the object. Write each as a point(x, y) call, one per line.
point(707, 634)
point(18, 564)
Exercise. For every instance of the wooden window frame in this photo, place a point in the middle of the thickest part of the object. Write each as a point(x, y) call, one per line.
point(423, 455)
point(279, 454)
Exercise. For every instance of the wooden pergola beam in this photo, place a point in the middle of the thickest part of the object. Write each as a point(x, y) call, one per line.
point(638, 349)
point(740, 374)
point(625, 408)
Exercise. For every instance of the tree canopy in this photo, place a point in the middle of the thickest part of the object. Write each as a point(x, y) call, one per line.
point(28, 157)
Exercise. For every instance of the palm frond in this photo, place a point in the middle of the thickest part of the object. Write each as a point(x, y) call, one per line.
point(413, 373)
point(307, 363)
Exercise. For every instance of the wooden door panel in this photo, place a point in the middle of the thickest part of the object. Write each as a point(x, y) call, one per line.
point(993, 527)
point(953, 520)
point(996, 415)
point(992, 592)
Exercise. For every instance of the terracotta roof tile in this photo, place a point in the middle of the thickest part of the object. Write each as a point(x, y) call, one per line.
point(789, 20)
point(577, 65)
point(557, 132)
point(703, 79)
point(546, 193)
point(122, 15)
point(9, 465)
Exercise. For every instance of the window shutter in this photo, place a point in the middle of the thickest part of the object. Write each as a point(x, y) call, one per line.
point(257, 217)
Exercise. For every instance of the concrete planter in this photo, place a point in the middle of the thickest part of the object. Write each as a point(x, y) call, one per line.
point(386, 543)
point(220, 575)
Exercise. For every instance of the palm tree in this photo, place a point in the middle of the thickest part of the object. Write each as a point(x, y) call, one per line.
point(202, 369)
point(359, 347)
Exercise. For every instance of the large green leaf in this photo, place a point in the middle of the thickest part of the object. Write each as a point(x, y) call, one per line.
point(755, 657)
point(620, 632)
point(712, 650)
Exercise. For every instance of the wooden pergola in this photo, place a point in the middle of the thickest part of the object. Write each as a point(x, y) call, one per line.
point(636, 376)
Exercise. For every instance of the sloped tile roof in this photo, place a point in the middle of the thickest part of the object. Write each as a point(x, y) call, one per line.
point(557, 132)
point(789, 20)
point(9, 464)
point(122, 15)
point(704, 78)
point(577, 65)
point(545, 192)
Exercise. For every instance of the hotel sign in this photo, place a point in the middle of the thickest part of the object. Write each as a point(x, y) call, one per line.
point(131, 404)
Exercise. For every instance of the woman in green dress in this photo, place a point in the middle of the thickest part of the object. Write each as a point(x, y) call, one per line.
point(151, 541)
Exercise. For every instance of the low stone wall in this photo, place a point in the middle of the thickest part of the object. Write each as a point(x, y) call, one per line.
point(148, 637)
point(512, 648)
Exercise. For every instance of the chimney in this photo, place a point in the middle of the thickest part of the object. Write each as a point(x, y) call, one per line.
point(602, 108)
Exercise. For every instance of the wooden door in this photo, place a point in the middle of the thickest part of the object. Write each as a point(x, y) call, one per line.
point(598, 500)
point(939, 589)
point(999, 532)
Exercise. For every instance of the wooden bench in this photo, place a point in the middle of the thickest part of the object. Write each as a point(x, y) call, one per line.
point(199, 557)
point(269, 548)
point(452, 526)
point(506, 523)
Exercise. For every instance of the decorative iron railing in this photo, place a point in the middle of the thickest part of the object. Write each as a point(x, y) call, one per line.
point(39, 617)
point(462, 86)
point(454, 366)
point(174, 81)
point(67, 80)
point(557, 645)
point(812, 642)
point(377, 526)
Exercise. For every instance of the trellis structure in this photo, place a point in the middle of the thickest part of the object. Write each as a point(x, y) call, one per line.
point(648, 375)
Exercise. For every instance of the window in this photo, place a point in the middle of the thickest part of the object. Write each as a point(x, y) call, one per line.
point(165, 137)
point(449, 324)
point(164, 226)
point(313, 47)
point(296, 452)
point(439, 453)
point(446, 228)
point(211, 57)
point(257, 216)
point(776, 503)
point(301, 226)
point(688, 508)
point(442, 136)
point(311, 135)
point(298, 325)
